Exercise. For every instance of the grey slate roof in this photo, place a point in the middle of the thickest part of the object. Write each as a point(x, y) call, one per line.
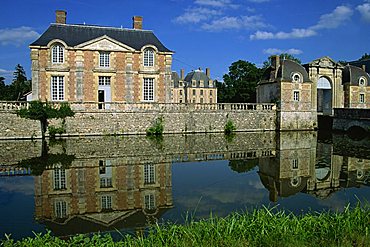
point(197, 75)
point(74, 35)
point(175, 78)
point(352, 74)
point(288, 67)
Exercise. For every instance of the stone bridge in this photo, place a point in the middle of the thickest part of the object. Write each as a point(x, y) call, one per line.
point(348, 118)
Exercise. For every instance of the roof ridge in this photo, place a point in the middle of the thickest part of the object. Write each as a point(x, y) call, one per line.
point(102, 27)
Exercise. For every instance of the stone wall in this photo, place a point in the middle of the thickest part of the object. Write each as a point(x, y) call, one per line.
point(185, 119)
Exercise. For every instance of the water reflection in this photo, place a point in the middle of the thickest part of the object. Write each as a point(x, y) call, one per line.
point(102, 184)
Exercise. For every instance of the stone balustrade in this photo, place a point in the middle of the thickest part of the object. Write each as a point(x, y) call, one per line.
point(139, 107)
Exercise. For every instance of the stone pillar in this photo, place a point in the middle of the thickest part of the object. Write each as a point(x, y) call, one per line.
point(79, 75)
point(35, 74)
point(129, 85)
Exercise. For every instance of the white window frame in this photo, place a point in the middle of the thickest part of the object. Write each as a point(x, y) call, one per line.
point(296, 96)
point(104, 80)
point(295, 164)
point(362, 81)
point(104, 59)
point(57, 88)
point(362, 98)
point(60, 181)
point(148, 89)
point(148, 57)
point(149, 174)
point(106, 202)
point(57, 54)
point(149, 202)
point(60, 209)
point(296, 77)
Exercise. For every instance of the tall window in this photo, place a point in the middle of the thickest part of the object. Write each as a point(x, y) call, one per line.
point(60, 209)
point(104, 59)
point(149, 57)
point(296, 95)
point(104, 80)
point(59, 179)
point(106, 202)
point(149, 174)
point(57, 54)
point(149, 202)
point(148, 89)
point(362, 98)
point(57, 88)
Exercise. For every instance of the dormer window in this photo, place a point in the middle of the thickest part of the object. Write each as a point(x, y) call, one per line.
point(104, 59)
point(362, 81)
point(148, 57)
point(57, 54)
point(296, 77)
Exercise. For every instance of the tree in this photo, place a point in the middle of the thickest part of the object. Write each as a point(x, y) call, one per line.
point(364, 57)
point(43, 111)
point(240, 83)
point(3, 88)
point(20, 84)
point(282, 56)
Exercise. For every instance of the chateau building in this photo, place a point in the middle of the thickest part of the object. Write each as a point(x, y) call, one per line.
point(195, 87)
point(304, 91)
point(87, 63)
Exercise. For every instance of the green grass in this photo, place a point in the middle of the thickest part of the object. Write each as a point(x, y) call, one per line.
point(262, 227)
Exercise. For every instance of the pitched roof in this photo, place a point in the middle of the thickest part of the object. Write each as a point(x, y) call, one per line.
point(74, 35)
point(198, 76)
point(365, 62)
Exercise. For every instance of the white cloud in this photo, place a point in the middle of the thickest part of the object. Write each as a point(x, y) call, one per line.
point(334, 19)
point(327, 21)
point(258, 1)
point(217, 3)
point(196, 15)
point(275, 51)
point(364, 10)
point(242, 22)
point(5, 72)
point(17, 36)
point(294, 34)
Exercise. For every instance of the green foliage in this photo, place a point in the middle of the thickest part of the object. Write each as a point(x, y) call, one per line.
point(242, 166)
point(229, 127)
point(19, 86)
point(53, 131)
point(43, 111)
point(156, 129)
point(260, 227)
point(364, 57)
point(239, 84)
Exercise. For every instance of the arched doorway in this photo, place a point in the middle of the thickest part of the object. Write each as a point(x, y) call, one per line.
point(324, 95)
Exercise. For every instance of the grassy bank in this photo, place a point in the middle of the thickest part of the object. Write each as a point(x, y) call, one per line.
point(261, 227)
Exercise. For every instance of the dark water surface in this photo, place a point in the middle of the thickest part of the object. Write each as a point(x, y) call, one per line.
point(123, 183)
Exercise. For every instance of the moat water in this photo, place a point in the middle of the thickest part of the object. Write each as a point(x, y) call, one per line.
point(122, 184)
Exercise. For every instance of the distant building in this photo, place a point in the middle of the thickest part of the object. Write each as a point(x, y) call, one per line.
point(93, 63)
point(195, 87)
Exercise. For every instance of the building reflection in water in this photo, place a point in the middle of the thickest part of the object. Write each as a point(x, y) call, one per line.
point(101, 195)
point(304, 165)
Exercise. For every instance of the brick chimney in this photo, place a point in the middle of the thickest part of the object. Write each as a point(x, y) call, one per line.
point(208, 72)
point(137, 22)
point(182, 72)
point(60, 16)
point(275, 61)
point(364, 67)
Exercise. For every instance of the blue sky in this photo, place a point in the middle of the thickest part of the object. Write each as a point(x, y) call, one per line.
point(203, 33)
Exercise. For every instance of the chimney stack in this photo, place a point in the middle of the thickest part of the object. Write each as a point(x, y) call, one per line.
point(137, 22)
point(208, 73)
point(182, 72)
point(364, 67)
point(60, 16)
point(275, 61)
